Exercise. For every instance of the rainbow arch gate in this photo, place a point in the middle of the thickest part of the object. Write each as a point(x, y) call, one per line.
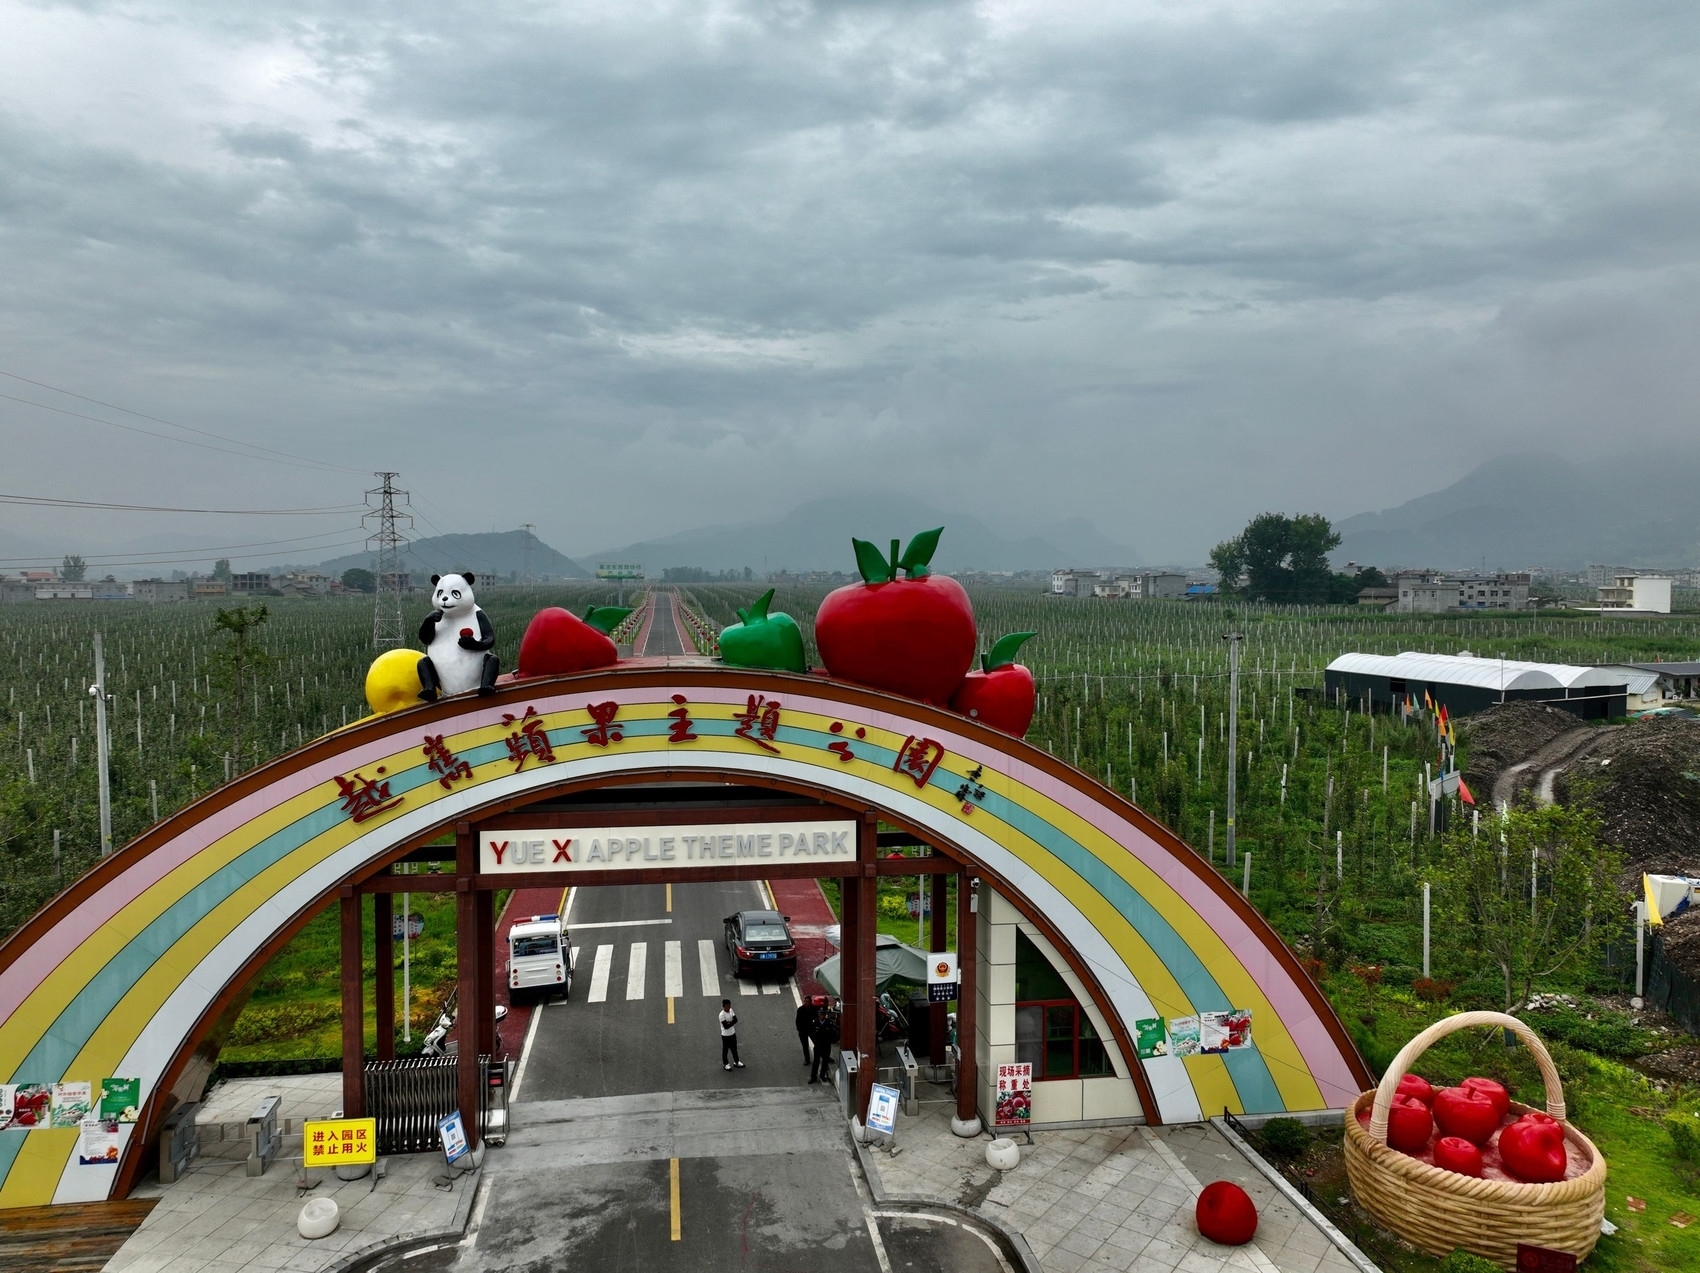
point(130, 971)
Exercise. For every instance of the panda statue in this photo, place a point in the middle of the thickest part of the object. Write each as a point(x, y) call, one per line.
point(457, 637)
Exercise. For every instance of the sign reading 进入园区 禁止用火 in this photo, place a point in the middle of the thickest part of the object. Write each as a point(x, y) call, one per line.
point(339, 1142)
point(686, 846)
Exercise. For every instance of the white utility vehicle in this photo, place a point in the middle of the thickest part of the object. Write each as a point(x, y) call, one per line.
point(540, 959)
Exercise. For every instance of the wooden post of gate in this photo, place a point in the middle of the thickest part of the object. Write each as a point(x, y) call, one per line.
point(467, 964)
point(940, 899)
point(486, 902)
point(866, 883)
point(967, 965)
point(849, 925)
point(353, 1010)
point(383, 988)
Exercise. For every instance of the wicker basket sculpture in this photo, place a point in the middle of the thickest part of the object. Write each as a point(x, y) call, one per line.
point(1440, 1210)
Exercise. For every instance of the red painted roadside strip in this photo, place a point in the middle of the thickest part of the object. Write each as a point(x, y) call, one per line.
point(810, 916)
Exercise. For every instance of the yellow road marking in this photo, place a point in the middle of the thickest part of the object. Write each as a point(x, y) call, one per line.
point(561, 906)
point(673, 1174)
point(669, 1009)
point(669, 899)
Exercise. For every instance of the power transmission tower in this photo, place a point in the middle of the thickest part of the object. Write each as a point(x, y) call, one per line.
point(385, 546)
point(530, 536)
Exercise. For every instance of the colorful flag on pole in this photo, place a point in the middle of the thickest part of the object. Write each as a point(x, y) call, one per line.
point(1464, 791)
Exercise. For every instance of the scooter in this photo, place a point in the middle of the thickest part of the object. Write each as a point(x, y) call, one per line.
point(892, 1025)
point(435, 1044)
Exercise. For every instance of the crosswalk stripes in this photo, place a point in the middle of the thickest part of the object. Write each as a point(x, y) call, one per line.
point(635, 969)
point(707, 966)
point(673, 971)
point(748, 987)
point(599, 974)
point(770, 987)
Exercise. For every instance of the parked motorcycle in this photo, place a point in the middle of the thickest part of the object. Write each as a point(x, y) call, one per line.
point(437, 1041)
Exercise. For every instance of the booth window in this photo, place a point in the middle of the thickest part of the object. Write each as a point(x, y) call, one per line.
point(1052, 1031)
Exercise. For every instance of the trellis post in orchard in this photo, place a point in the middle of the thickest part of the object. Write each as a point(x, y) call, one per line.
point(103, 746)
point(1233, 639)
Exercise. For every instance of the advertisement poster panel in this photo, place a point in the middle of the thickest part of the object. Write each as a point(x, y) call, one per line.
point(882, 1110)
point(1015, 1095)
point(120, 1099)
point(72, 1103)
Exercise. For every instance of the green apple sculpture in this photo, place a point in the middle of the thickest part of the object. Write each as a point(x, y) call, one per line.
point(761, 639)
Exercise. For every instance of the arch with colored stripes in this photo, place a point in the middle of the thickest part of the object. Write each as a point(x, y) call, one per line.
point(127, 970)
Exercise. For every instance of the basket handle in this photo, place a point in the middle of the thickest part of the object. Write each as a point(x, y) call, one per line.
point(1439, 1030)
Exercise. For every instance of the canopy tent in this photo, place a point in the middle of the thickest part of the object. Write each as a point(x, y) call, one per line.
point(892, 961)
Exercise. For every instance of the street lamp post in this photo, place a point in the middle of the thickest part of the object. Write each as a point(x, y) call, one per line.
point(1233, 639)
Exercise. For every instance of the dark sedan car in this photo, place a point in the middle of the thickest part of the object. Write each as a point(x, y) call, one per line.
point(760, 942)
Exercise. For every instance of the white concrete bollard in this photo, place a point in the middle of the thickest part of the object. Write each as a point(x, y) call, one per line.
point(319, 1218)
point(1003, 1154)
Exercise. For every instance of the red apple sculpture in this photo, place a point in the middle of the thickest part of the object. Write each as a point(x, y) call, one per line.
point(1409, 1125)
point(556, 642)
point(1226, 1213)
point(913, 636)
point(1493, 1090)
point(1466, 1112)
point(1532, 1149)
point(1416, 1085)
point(1001, 694)
point(1454, 1153)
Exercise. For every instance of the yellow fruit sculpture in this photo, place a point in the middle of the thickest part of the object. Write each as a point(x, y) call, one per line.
point(392, 682)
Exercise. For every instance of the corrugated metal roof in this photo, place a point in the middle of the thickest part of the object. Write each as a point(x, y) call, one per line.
point(1492, 674)
point(1667, 669)
point(1639, 679)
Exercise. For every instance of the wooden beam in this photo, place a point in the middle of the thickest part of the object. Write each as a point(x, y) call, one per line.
point(936, 1012)
point(353, 1010)
point(867, 1021)
point(939, 866)
point(467, 1088)
point(383, 987)
point(486, 972)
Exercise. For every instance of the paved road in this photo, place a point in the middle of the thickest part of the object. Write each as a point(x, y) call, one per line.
point(663, 631)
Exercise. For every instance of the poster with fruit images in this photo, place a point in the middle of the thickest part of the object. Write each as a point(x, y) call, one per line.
point(1239, 1028)
point(25, 1105)
point(1015, 1095)
point(1212, 1033)
point(1150, 1039)
point(1183, 1036)
point(120, 1099)
point(97, 1143)
point(72, 1103)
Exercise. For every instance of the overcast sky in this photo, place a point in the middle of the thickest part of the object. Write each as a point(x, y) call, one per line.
point(620, 269)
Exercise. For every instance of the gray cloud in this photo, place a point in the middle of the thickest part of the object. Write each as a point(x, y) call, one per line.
point(620, 270)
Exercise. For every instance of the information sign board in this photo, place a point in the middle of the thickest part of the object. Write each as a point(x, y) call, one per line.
point(941, 976)
point(339, 1142)
point(1015, 1095)
point(574, 849)
point(882, 1109)
point(453, 1135)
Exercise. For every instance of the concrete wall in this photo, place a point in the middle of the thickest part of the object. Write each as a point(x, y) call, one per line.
point(1054, 1100)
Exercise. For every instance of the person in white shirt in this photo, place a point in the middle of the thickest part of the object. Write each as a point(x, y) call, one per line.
point(729, 1036)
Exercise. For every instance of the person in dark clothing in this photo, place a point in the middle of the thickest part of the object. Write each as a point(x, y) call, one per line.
point(824, 1036)
point(729, 1036)
point(806, 1014)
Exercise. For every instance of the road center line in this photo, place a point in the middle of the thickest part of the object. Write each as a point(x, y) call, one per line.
point(669, 899)
point(673, 1192)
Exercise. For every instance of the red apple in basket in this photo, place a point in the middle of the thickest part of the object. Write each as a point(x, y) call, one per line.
point(1493, 1090)
point(1454, 1153)
point(557, 642)
point(1001, 694)
point(1466, 1112)
point(1409, 1125)
point(1416, 1085)
point(1226, 1213)
point(912, 636)
point(1532, 1149)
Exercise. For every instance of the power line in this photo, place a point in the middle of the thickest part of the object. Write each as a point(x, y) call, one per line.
point(167, 556)
point(48, 501)
point(187, 428)
point(202, 556)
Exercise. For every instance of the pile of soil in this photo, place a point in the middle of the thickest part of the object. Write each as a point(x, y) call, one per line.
point(1644, 779)
point(1506, 733)
point(1681, 937)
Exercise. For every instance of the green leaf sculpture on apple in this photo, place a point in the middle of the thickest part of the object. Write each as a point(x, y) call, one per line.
point(912, 636)
point(760, 639)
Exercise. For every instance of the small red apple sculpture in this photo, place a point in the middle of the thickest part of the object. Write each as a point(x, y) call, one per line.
point(556, 642)
point(1454, 1153)
point(1493, 1090)
point(1417, 1086)
point(1409, 1125)
point(913, 636)
point(1226, 1214)
point(1466, 1112)
point(1001, 694)
point(1532, 1149)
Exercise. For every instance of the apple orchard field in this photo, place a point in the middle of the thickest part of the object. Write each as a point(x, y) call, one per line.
point(1133, 693)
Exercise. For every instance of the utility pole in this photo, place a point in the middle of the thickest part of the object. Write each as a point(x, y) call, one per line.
point(530, 529)
point(1233, 639)
point(103, 746)
point(385, 546)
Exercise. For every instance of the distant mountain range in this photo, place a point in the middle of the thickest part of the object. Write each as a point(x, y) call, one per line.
point(496, 554)
point(1517, 511)
point(816, 536)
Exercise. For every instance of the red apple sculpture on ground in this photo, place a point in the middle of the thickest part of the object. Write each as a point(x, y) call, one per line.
point(1532, 1149)
point(1001, 694)
point(557, 642)
point(1466, 1112)
point(1409, 1125)
point(1454, 1153)
point(1226, 1213)
point(913, 636)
